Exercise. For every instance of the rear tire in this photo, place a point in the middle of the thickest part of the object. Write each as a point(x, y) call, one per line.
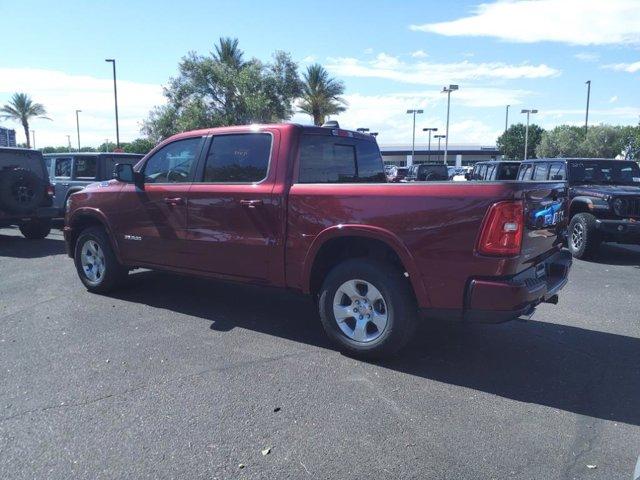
point(36, 228)
point(584, 239)
point(96, 263)
point(367, 308)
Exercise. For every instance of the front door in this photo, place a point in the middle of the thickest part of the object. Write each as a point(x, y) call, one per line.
point(152, 218)
point(235, 220)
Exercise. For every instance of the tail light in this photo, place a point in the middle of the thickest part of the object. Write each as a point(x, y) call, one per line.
point(50, 190)
point(502, 228)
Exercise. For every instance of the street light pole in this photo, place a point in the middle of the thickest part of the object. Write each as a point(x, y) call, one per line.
point(526, 132)
point(506, 119)
point(448, 90)
point(69, 142)
point(78, 127)
point(586, 118)
point(413, 142)
point(115, 96)
point(429, 129)
point(439, 137)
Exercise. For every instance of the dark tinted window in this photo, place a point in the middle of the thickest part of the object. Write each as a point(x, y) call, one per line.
point(508, 171)
point(557, 171)
point(85, 167)
point(173, 162)
point(326, 159)
point(540, 171)
point(238, 158)
point(63, 167)
point(370, 166)
point(604, 171)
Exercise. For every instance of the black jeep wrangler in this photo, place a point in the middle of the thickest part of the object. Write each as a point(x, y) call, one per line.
point(604, 195)
point(26, 196)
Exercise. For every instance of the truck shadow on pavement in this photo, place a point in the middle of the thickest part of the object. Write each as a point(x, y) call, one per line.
point(18, 247)
point(616, 254)
point(568, 368)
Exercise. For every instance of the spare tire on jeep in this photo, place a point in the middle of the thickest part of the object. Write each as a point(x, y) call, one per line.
point(21, 190)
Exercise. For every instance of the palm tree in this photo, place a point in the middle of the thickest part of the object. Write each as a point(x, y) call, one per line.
point(227, 52)
point(321, 94)
point(21, 109)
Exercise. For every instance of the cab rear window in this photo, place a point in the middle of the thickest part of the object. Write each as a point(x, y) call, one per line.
point(328, 159)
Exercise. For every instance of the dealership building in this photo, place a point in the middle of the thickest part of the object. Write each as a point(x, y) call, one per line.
point(7, 137)
point(458, 155)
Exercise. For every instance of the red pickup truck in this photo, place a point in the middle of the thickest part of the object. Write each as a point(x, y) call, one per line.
point(309, 209)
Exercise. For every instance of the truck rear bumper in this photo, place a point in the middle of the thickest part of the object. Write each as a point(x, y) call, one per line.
point(491, 300)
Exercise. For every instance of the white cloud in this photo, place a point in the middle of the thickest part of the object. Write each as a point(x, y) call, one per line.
point(309, 59)
point(425, 73)
point(624, 67)
point(62, 94)
point(577, 22)
point(368, 51)
point(587, 56)
point(419, 54)
point(613, 99)
point(386, 114)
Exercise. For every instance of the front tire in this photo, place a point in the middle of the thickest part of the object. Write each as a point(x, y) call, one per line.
point(584, 239)
point(36, 229)
point(367, 308)
point(96, 263)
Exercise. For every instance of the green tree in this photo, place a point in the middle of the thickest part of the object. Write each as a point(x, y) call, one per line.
point(600, 141)
point(511, 143)
point(224, 89)
point(21, 108)
point(321, 94)
point(562, 141)
point(139, 145)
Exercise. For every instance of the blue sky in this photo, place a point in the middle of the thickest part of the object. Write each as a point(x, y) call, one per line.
point(390, 55)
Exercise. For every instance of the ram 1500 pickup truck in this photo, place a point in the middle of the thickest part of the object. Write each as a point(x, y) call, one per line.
point(309, 209)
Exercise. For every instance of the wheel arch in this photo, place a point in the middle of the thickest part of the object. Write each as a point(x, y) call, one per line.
point(580, 204)
point(338, 243)
point(86, 218)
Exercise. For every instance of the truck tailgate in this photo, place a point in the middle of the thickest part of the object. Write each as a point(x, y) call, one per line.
point(545, 218)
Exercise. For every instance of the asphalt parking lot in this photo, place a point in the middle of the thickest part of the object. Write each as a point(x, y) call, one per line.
point(178, 377)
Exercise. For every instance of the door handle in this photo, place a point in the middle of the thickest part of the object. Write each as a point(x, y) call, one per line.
point(250, 203)
point(174, 201)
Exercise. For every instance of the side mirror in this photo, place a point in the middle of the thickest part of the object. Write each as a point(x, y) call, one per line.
point(123, 172)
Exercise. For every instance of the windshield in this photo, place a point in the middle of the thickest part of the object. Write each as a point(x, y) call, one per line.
point(604, 172)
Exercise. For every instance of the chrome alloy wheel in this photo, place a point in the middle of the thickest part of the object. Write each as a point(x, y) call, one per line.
point(93, 263)
point(577, 235)
point(360, 311)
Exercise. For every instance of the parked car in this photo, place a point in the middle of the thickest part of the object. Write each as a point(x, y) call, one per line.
point(26, 196)
point(309, 209)
point(427, 172)
point(71, 172)
point(400, 174)
point(604, 199)
point(494, 170)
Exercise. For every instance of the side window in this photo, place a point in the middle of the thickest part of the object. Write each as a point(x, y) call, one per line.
point(174, 162)
point(540, 172)
point(326, 160)
point(241, 158)
point(63, 167)
point(482, 172)
point(525, 172)
point(370, 165)
point(491, 172)
point(85, 168)
point(557, 171)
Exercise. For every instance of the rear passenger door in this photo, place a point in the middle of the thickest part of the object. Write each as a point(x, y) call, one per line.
point(235, 221)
